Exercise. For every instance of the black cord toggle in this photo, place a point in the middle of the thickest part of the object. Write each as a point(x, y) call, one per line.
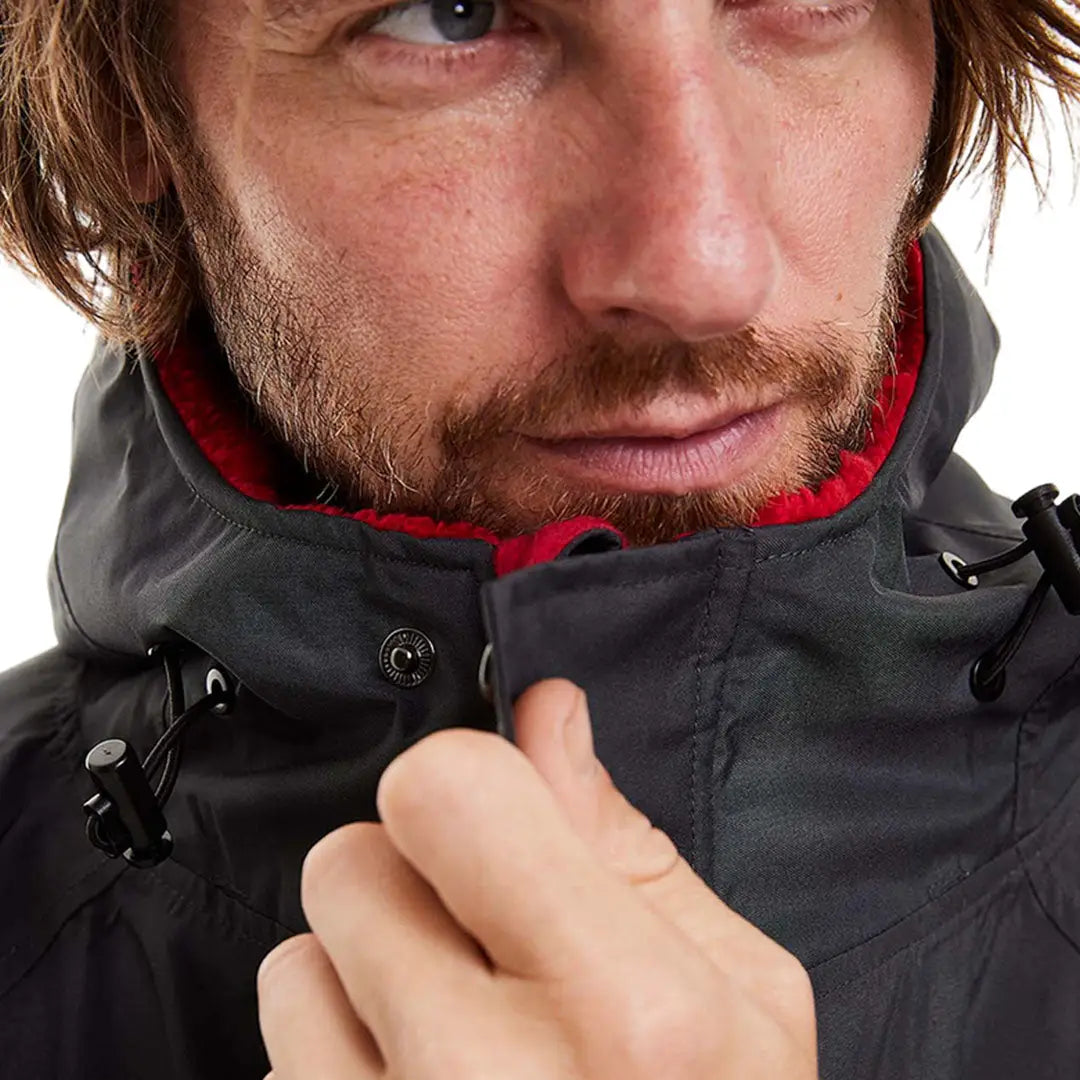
point(124, 818)
point(125, 815)
point(1052, 535)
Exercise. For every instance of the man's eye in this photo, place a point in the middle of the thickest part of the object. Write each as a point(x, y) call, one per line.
point(441, 22)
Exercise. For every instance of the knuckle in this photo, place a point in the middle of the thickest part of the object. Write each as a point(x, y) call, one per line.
point(643, 853)
point(664, 1029)
point(798, 993)
point(792, 981)
point(786, 991)
point(300, 951)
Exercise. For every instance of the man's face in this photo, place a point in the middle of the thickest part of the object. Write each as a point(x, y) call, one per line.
point(509, 262)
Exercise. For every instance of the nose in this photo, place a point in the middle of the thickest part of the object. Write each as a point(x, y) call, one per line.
point(670, 235)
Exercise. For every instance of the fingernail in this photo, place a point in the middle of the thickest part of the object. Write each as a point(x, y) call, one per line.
point(577, 735)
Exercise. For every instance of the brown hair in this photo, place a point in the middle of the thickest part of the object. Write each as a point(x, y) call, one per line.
point(85, 97)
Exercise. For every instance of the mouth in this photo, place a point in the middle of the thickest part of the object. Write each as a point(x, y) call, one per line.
point(664, 451)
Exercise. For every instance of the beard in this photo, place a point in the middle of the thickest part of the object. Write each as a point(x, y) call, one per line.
point(357, 450)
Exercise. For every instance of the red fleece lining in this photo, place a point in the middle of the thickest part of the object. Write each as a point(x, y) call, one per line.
point(857, 470)
point(216, 418)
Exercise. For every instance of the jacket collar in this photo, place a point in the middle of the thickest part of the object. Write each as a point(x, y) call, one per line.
point(156, 545)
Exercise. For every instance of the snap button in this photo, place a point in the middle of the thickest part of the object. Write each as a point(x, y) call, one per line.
point(406, 657)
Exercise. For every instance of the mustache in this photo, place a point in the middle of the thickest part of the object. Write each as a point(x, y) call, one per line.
point(605, 376)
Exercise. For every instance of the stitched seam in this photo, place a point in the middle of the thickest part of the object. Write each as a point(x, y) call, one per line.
point(1048, 849)
point(833, 541)
point(695, 737)
point(854, 528)
point(222, 924)
point(1047, 914)
point(1052, 686)
point(634, 586)
point(319, 545)
point(1014, 824)
point(1025, 717)
point(418, 563)
point(55, 935)
point(233, 894)
point(725, 660)
point(1043, 851)
point(20, 945)
point(940, 932)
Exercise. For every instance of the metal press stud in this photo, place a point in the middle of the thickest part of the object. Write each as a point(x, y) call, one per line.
point(406, 657)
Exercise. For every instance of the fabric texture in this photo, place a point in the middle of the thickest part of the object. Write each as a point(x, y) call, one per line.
point(790, 702)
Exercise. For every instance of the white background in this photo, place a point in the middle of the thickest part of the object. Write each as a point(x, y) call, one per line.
point(1025, 434)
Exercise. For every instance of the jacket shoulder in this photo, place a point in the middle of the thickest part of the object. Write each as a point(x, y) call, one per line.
point(47, 866)
point(38, 720)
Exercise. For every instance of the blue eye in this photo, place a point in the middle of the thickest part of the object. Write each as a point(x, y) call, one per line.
point(441, 22)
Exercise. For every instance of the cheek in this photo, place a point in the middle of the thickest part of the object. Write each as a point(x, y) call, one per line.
point(847, 154)
point(423, 247)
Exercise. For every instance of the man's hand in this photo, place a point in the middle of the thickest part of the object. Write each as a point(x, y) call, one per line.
point(513, 916)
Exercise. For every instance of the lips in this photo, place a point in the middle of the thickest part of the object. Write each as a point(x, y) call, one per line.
point(667, 453)
point(666, 418)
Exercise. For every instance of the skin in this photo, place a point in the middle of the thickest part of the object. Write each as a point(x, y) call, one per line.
point(537, 927)
point(415, 256)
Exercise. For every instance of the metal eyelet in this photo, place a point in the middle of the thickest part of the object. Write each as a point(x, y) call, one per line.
point(483, 675)
point(954, 566)
point(406, 657)
point(217, 680)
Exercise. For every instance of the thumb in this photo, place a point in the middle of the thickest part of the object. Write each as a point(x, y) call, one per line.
point(553, 730)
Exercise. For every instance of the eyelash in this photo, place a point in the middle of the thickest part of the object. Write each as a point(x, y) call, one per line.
point(445, 58)
point(441, 58)
point(833, 14)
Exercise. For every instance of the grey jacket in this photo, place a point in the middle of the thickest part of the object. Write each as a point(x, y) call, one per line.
point(793, 704)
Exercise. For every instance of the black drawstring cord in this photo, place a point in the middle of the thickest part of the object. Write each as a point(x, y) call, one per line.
point(967, 574)
point(1052, 534)
point(988, 672)
point(168, 746)
point(174, 685)
point(124, 816)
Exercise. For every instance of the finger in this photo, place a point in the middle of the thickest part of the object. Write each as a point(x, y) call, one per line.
point(578, 779)
point(620, 835)
point(409, 970)
point(308, 1025)
point(476, 820)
